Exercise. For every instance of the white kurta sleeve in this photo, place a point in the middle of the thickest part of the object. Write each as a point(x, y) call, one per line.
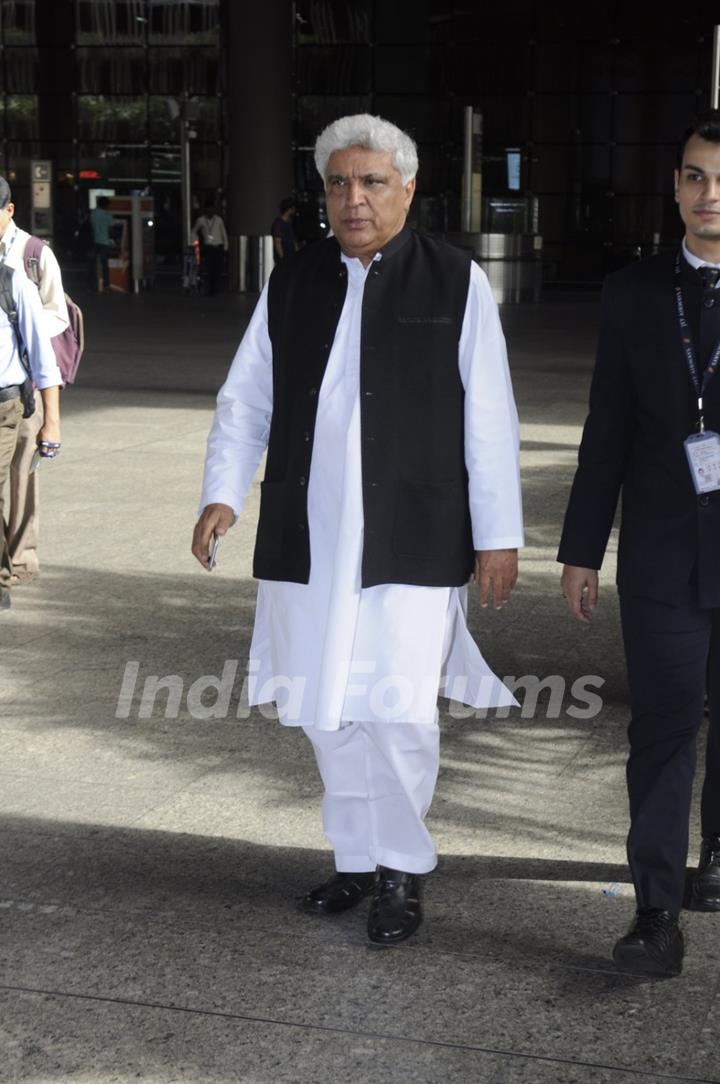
point(241, 425)
point(492, 434)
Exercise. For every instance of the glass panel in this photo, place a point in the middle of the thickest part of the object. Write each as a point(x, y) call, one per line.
point(203, 113)
point(162, 125)
point(18, 162)
point(123, 163)
point(111, 71)
point(407, 69)
point(426, 119)
point(189, 22)
point(111, 22)
point(318, 22)
point(21, 116)
point(165, 164)
point(18, 22)
point(196, 71)
point(21, 71)
point(338, 69)
point(206, 169)
point(123, 119)
point(207, 119)
point(315, 113)
point(307, 178)
point(403, 21)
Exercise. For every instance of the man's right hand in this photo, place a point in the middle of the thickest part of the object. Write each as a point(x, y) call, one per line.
point(216, 519)
point(580, 591)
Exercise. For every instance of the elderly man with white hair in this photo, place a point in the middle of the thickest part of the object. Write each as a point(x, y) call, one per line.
point(374, 371)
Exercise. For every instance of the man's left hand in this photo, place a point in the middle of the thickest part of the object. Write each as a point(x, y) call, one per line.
point(496, 573)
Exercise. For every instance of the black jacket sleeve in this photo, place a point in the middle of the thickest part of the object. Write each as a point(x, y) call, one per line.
point(606, 443)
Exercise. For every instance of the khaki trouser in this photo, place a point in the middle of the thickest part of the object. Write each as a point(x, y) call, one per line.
point(10, 418)
point(23, 522)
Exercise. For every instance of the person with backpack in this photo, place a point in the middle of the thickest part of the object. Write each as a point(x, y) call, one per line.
point(27, 360)
point(31, 258)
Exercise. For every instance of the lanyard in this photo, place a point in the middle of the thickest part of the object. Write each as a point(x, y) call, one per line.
point(699, 384)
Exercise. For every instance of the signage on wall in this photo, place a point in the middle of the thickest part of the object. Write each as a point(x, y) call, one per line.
point(41, 197)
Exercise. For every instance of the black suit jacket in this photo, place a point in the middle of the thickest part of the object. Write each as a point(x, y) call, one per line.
point(642, 407)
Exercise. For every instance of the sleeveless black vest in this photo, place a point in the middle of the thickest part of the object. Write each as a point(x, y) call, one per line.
point(414, 480)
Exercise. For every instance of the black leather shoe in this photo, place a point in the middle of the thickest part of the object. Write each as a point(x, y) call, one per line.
point(395, 911)
point(652, 946)
point(705, 893)
point(340, 893)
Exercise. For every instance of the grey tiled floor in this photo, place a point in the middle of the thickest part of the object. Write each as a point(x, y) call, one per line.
point(149, 865)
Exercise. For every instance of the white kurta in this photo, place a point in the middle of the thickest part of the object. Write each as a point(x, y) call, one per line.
point(330, 652)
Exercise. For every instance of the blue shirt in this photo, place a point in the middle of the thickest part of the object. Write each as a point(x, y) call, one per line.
point(101, 220)
point(33, 332)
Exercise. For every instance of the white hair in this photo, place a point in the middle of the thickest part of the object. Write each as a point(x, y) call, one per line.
point(374, 133)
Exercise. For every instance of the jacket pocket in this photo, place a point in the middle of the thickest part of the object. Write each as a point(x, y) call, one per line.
point(269, 542)
point(430, 519)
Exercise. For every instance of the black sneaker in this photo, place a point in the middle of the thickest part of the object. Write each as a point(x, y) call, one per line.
point(705, 892)
point(652, 946)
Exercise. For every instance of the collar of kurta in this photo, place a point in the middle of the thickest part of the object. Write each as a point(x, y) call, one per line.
point(394, 244)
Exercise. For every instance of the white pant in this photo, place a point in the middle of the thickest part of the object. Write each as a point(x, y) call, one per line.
point(379, 780)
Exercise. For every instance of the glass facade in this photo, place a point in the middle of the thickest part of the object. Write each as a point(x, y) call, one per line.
point(102, 103)
point(594, 97)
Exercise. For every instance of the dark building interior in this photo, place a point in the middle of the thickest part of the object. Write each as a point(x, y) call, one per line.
point(593, 97)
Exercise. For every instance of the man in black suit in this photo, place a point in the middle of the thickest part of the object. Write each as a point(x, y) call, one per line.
point(654, 386)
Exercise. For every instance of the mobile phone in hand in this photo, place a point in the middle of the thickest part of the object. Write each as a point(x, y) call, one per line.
point(212, 558)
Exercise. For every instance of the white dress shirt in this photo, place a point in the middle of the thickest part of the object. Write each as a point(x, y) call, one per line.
point(213, 230)
point(696, 262)
point(336, 651)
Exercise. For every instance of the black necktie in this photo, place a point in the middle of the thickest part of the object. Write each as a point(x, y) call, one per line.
point(709, 276)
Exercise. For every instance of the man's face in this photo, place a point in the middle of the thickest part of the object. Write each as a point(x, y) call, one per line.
point(6, 214)
point(697, 190)
point(367, 202)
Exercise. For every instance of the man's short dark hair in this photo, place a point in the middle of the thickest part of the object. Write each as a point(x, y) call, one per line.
point(5, 193)
point(286, 204)
point(103, 202)
point(707, 126)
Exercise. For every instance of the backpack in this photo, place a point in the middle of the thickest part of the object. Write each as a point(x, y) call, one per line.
point(70, 343)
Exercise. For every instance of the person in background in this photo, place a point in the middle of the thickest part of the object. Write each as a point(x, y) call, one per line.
point(22, 526)
point(16, 385)
point(102, 222)
point(209, 230)
point(284, 242)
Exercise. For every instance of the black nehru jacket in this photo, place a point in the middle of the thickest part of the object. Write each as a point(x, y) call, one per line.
point(642, 407)
point(414, 480)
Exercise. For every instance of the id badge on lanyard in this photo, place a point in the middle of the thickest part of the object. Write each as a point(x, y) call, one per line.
point(702, 448)
point(703, 454)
